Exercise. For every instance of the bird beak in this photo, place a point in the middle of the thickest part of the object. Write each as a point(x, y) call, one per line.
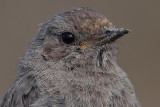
point(108, 35)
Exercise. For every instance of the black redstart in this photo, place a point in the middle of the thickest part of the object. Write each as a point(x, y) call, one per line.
point(72, 63)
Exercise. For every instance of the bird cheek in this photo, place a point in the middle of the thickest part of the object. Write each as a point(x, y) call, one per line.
point(54, 54)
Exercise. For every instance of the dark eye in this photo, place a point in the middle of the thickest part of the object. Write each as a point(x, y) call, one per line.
point(67, 37)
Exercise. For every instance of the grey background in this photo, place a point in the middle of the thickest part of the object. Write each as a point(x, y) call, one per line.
point(139, 50)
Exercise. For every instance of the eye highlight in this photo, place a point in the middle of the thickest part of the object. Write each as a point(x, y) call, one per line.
point(67, 37)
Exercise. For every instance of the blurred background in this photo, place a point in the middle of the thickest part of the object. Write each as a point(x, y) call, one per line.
point(138, 51)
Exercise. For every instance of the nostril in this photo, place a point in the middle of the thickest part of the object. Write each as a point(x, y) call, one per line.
point(108, 31)
point(78, 49)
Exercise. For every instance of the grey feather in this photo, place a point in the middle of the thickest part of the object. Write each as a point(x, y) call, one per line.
point(55, 74)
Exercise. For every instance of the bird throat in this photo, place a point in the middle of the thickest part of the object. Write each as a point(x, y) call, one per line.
point(104, 59)
point(92, 62)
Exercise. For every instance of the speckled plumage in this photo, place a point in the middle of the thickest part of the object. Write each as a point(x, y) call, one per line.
point(55, 74)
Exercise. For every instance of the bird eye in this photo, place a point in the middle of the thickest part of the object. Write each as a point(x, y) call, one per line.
point(68, 38)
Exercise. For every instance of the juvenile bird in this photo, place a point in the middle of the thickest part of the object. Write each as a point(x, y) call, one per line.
point(72, 62)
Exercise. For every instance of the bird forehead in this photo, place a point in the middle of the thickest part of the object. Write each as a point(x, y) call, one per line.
point(93, 26)
point(87, 20)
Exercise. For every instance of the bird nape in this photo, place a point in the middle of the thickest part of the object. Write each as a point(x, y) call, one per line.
point(72, 63)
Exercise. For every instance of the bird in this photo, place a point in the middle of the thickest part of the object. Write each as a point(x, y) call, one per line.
point(72, 62)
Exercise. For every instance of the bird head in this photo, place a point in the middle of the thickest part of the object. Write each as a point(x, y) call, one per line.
point(80, 31)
